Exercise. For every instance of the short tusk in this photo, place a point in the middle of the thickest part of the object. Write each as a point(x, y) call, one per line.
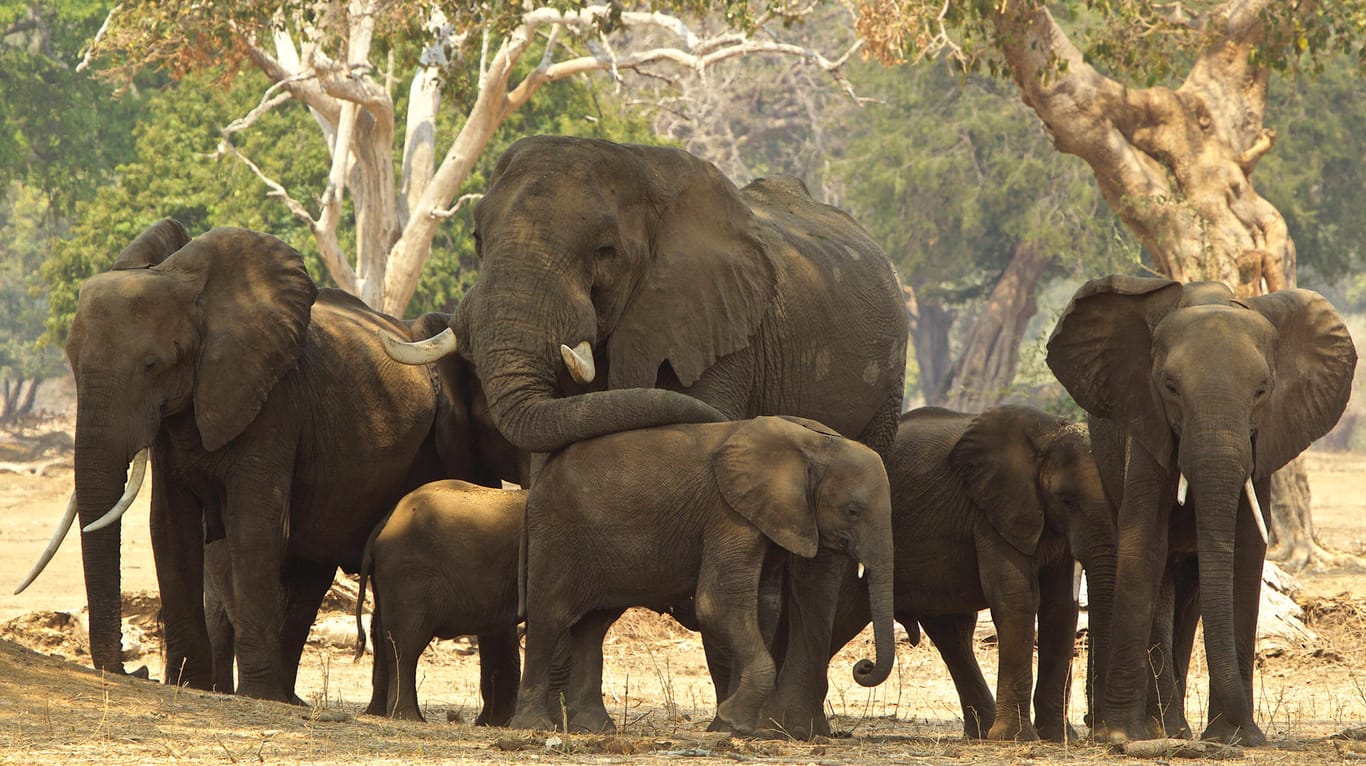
point(1076, 582)
point(579, 360)
point(426, 351)
point(861, 570)
point(51, 550)
point(130, 494)
point(1256, 509)
point(1181, 487)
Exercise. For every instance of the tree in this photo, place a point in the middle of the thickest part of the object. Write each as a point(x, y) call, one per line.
point(1174, 160)
point(28, 227)
point(343, 59)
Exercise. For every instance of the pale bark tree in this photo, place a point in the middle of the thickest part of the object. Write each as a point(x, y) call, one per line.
point(1174, 163)
point(339, 58)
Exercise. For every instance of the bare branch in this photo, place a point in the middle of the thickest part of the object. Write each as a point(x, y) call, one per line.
point(464, 200)
point(97, 39)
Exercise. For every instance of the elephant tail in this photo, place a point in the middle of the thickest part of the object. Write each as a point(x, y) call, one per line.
point(367, 565)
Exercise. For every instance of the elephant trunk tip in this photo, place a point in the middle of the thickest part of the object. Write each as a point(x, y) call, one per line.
point(867, 673)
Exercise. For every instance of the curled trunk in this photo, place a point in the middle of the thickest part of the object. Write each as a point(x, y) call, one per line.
point(881, 604)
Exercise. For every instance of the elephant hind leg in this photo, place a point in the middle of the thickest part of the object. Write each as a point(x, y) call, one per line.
point(587, 713)
point(1057, 640)
point(306, 583)
point(500, 673)
point(952, 634)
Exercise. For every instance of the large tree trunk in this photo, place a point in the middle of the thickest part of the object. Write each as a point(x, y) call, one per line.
point(991, 352)
point(929, 326)
point(1176, 166)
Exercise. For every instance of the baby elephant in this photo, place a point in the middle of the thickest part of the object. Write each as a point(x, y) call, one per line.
point(444, 564)
point(651, 517)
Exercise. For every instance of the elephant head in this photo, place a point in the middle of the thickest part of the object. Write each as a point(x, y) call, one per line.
point(646, 259)
point(1026, 471)
point(806, 487)
point(1220, 390)
point(185, 333)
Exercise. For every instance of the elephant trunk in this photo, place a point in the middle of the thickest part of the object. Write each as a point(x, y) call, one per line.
point(880, 601)
point(1100, 563)
point(101, 468)
point(518, 363)
point(1216, 481)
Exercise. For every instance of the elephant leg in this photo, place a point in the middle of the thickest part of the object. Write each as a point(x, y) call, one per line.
point(587, 713)
point(178, 548)
point(772, 624)
point(797, 705)
point(1232, 720)
point(217, 617)
point(1014, 621)
point(404, 646)
point(255, 525)
point(1184, 615)
point(547, 624)
point(306, 583)
point(727, 608)
point(500, 672)
point(952, 635)
point(1057, 640)
point(383, 668)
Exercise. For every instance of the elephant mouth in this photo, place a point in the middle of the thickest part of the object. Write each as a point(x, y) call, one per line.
point(1183, 487)
point(578, 360)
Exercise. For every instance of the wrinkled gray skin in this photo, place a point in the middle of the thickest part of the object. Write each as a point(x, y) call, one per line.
point(444, 564)
point(753, 301)
point(988, 512)
point(276, 423)
point(1190, 381)
point(650, 517)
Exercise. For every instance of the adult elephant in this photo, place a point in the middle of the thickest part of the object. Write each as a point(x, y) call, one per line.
point(688, 300)
point(274, 421)
point(1188, 381)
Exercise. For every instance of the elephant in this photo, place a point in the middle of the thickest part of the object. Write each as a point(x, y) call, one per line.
point(444, 564)
point(626, 286)
point(653, 516)
point(1195, 398)
point(988, 512)
point(274, 421)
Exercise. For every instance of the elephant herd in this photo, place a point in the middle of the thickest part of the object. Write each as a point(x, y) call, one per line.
point(701, 387)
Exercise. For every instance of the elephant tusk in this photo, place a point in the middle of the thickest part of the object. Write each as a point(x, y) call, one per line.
point(1181, 487)
point(861, 570)
point(130, 494)
point(426, 351)
point(579, 360)
point(1256, 509)
point(1076, 582)
point(51, 550)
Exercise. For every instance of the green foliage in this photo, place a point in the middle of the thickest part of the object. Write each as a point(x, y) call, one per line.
point(28, 228)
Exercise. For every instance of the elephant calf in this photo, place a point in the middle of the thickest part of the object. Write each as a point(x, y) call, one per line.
point(653, 516)
point(988, 512)
point(444, 564)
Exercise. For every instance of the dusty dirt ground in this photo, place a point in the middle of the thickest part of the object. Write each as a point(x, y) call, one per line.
point(53, 707)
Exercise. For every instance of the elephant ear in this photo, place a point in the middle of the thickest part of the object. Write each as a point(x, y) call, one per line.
point(1314, 366)
point(1101, 352)
point(764, 472)
point(255, 300)
point(997, 458)
point(706, 284)
point(152, 246)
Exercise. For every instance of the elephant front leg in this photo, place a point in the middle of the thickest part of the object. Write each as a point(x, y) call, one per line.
point(1057, 639)
point(727, 609)
point(256, 528)
point(797, 704)
point(1015, 677)
point(178, 548)
point(306, 583)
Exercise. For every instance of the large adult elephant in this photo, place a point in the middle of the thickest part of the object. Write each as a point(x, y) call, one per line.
point(1188, 381)
point(274, 420)
point(689, 300)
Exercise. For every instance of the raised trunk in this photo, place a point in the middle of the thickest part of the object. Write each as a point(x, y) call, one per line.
point(101, 470)
point(880, 602)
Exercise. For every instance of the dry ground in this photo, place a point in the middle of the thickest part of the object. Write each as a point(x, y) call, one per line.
point(54, 708)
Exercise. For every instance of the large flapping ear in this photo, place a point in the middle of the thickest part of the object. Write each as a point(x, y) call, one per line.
point(1101, 352)
point(152, 246)
point(997, 458)
point(707, 282)
point(1314, 366)
point(255, 300)
point(764, 473)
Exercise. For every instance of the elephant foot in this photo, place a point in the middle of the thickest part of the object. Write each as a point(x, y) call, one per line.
point(976, 724)
point(1117, 734)
point(407, 714)
point(1249, 734)
point(268, 692)
point(1173, 727)
point(592, 724)
point(142, 673)
point(533, 721)
point(718, 725)
point(376, 710)
point(494, 718)
point(1005, 730)
point(1056, 731)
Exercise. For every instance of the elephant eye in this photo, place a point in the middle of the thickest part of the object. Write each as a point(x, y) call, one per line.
point(1171, 387)
point(149, 364)
point(1262, 391)
point(854, 510)
point(606, 251)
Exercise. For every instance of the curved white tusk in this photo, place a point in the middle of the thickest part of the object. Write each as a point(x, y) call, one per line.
point(130, 494)
point(51, 550)
point(861, 570)
point(1076, 582)
point(1256, 509)
point(421, 352)
point(1181, 487)
point(579, 360)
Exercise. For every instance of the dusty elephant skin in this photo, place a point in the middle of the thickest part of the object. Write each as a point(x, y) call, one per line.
point(275, 423)
point(698, 301)
point(988, 512)
point(1196, 399)
point(444, 564)
point(650, 517)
